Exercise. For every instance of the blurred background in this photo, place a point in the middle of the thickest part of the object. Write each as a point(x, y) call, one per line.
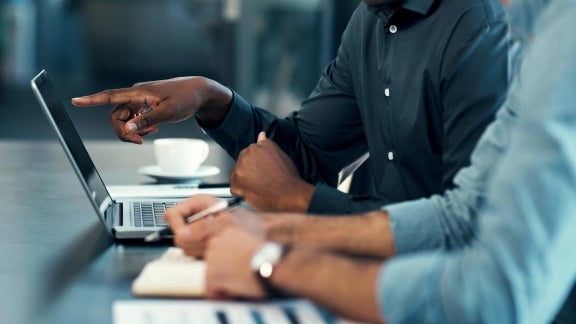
point(270, 51)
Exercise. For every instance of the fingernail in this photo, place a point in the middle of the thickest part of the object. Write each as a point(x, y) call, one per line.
point(146, 110)
point(131, 127)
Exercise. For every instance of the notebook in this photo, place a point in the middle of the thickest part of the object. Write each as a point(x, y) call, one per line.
point(124, 217)
point(172, 275)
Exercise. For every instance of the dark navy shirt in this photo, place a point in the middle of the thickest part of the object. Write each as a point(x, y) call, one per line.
point(415, 84)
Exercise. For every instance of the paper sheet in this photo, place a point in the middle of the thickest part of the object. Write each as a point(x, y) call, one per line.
point(207, 312)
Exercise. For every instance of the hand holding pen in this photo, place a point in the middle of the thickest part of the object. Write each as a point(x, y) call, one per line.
point(216, 208)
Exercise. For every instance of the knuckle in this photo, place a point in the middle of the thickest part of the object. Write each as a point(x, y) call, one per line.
point(235, 190)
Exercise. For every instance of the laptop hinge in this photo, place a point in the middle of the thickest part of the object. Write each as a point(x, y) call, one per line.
point(120, 213)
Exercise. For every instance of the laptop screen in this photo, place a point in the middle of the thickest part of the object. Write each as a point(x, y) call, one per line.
point(72, 143)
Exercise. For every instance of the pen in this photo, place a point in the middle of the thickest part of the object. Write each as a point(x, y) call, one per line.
point(218, 207)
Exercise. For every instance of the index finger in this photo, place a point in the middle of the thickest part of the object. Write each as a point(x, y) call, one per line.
point(111, 96)
point(176, 215)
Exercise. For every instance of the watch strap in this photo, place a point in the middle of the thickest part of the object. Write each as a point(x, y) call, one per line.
point(265, 278)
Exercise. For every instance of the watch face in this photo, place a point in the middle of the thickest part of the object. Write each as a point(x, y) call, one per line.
point(269, 253)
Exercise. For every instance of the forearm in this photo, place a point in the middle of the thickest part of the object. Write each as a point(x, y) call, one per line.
point(366, 234)
point(216, 101)
point(321, 276)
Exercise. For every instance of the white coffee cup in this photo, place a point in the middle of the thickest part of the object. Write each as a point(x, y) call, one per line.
point(180, 156)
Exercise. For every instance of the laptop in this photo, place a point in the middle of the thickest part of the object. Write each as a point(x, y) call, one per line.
point(125, 217)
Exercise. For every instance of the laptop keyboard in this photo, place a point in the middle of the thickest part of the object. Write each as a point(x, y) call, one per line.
point(150, 214)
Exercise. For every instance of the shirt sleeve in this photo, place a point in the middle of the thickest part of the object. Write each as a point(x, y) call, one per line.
point(330, 200)
point(296, 134)
point(521, 267)
point(241, 126)
point(473, 73)
point(449, 221)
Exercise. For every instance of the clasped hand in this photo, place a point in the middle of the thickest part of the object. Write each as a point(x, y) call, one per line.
point(268, 180)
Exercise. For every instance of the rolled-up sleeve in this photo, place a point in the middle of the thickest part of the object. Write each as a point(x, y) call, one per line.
point(449, 221)
point(521, 267)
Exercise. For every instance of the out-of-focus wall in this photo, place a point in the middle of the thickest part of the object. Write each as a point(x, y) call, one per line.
point(18, 26)
point(271, 52)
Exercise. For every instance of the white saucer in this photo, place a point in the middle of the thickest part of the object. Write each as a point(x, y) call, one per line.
point(156, 172)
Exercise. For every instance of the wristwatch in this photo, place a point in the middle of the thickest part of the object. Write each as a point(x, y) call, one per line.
point(264, 259)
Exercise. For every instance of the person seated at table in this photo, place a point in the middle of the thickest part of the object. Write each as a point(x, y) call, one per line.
point(416, 105)
point(505, 253)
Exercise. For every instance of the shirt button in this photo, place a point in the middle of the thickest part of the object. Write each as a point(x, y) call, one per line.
point(393, 29)
point(387, 92)
point(390, 156)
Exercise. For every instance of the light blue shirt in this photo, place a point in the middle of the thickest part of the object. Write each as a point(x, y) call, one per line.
point(504, 239)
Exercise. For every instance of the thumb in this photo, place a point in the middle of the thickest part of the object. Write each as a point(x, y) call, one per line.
point(143, 121)
point(261, 137)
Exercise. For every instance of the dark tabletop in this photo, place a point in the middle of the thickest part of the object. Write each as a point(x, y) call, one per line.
point(57, 263)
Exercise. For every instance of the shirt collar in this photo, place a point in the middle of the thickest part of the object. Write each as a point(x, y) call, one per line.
point(419, 6)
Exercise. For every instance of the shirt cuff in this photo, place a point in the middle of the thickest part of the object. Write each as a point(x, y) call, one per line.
point(415, 225)
point(328, 200)
point(236, 126)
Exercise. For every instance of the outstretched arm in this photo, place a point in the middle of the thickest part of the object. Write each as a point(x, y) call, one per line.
point(139, 109)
